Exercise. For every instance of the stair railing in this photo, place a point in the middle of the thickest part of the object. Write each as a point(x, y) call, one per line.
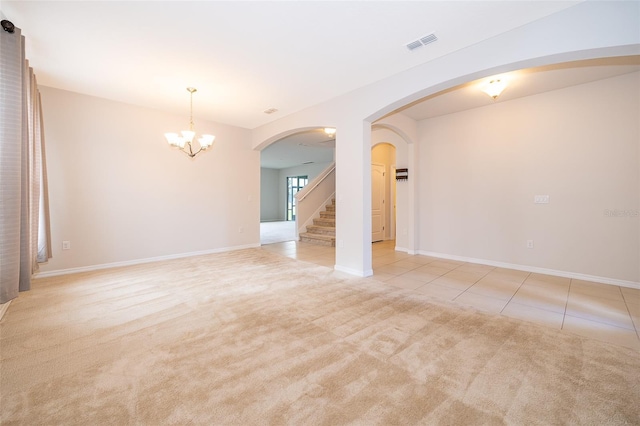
point(311, 199)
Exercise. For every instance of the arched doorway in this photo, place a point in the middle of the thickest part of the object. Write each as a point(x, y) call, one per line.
point(287, 164)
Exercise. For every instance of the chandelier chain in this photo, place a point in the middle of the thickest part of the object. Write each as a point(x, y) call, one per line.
point(191, 90)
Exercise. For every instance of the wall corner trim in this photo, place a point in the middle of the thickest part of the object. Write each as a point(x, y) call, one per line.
point(406, 250)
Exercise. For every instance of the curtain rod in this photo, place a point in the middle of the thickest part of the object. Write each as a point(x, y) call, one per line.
point(8, 26)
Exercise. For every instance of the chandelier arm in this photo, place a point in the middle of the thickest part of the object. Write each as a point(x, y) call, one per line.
point(187, 154)
point(190, 153)
point(197, 152)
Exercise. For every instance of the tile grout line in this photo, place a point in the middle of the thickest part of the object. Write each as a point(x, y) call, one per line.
point(513, 295)
point(566, 304)
point(636, 327)
point(475, 282)
point(626, 305)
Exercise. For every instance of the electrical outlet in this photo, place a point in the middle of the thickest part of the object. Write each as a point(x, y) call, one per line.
point(541, 199)
point(66, 245)
point(241, 230)
point(529, 244)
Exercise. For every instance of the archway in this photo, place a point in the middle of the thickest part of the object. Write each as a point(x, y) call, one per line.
point(353, 113)
point(398, 133)
point(475, 163)
point(288, 162)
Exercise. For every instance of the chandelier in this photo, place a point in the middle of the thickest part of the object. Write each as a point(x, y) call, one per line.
point(184, 142)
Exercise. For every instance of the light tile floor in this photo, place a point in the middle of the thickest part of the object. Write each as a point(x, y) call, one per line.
point(599, 311)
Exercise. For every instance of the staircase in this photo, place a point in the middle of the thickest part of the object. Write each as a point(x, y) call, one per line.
point(323, 230)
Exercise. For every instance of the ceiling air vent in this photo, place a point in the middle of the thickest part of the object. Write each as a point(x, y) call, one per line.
point(422, 41)
point(414, 45)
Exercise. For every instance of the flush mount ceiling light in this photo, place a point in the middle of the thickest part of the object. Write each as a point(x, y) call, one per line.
point(330, 131)
point(183, 143)
point(494, 87)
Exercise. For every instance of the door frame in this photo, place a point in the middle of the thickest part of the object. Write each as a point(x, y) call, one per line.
point(383, 212)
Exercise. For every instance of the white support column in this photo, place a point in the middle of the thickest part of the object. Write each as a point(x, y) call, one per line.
point(353, 198)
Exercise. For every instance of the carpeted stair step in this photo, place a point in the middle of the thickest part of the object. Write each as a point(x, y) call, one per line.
point(322, 230)
point(318, 239)
point(325, 221)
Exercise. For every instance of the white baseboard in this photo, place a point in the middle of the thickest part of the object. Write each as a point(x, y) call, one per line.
point(406, 250)
point(565, 274)
point(355, 272)
point(139, 261)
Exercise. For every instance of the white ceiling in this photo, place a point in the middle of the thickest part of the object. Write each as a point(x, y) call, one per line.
point(313, 146)
point(305, 147)
point(521, 83)
point(245, 57)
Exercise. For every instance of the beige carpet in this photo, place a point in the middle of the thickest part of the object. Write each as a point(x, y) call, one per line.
point(253, 338)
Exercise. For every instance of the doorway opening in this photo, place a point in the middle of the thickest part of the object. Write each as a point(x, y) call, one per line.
point(300, 155)
point(383, 192)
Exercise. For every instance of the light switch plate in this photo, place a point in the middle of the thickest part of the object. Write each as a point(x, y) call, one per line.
point(541, 199)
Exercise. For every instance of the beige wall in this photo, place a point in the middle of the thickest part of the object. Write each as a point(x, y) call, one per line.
point(269, 197)
point(561, 37)
point(119, 193)
point(480, 170)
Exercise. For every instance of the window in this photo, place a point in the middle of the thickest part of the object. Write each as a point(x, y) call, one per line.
point(294, 184)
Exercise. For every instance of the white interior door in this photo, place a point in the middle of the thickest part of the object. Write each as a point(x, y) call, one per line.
point(377, 202)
